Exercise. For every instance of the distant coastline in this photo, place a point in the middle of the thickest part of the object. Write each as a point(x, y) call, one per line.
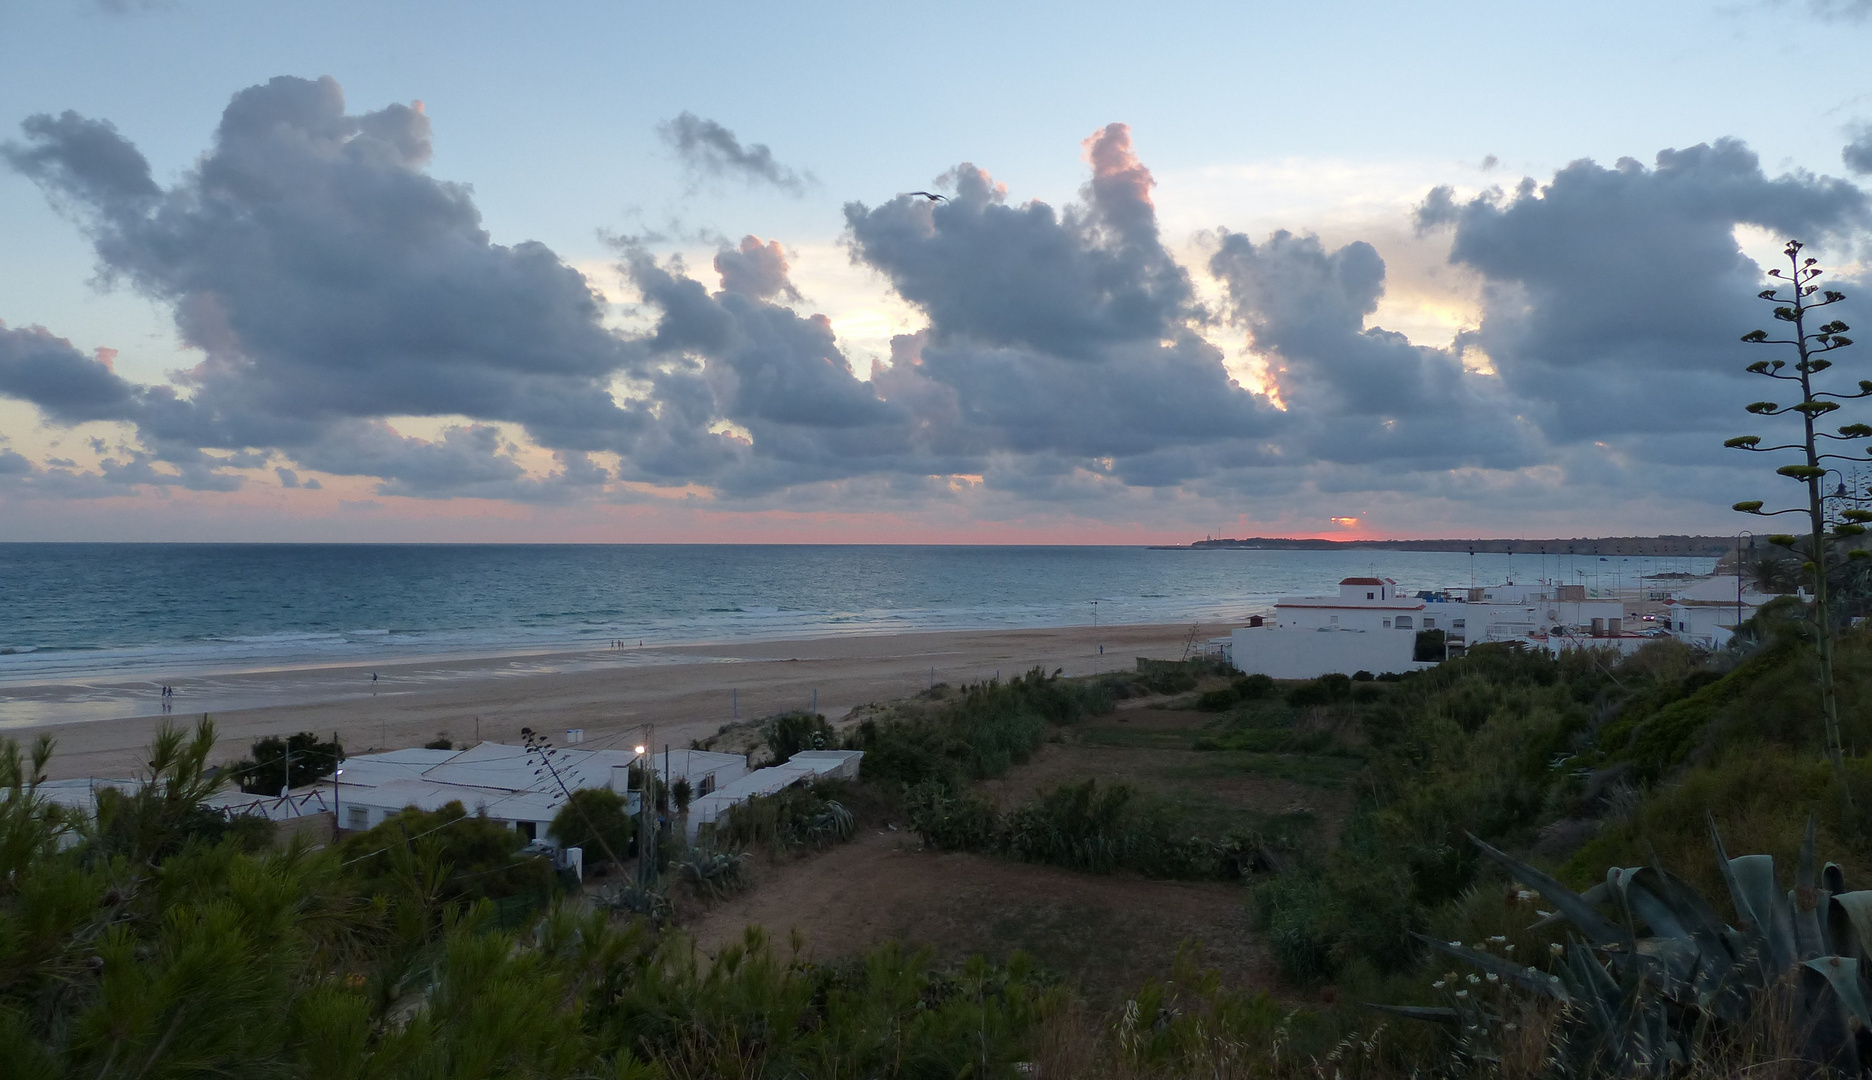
point(1648, 546)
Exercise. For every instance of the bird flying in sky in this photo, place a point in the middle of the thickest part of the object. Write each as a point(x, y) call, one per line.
point(931, 196)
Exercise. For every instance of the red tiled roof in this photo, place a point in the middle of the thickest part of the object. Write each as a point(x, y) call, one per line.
point(1361, 581)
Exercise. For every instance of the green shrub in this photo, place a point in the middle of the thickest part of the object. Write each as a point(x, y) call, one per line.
point(982, 733)
point(811, 815)
point(789, 733)
point(596, 821)
point(264, 771)
point(1325, 690)
point(474, 856)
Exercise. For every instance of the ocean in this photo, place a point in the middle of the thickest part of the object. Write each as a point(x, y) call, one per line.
point(86, 613)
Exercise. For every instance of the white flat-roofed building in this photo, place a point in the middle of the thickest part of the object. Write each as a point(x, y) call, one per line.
point(507, 783)
point(807, 765)
point(1370, 626)
point(1707, 613)
point(1363, 603)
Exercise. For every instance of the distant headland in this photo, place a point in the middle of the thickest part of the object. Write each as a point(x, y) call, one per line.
point(1706, 546)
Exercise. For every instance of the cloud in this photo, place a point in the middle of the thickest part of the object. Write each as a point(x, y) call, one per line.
point(709, 149)
point(755, 270)
point(1858, 153)
point(68, 386)
point(1614, 297)
point(1057, 339)
point(325, 277)
point(340, 297)
point(1362, 394)
point(1071, 283)
point(132, 7)
point(1841, 10)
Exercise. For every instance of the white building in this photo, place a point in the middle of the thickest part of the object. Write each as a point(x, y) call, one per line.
point(1706, 613)
point(807, 765)
point(1370, 626)
point(1554, 617)
point(507, 783)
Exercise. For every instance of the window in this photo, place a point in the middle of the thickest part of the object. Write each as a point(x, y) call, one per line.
point(1403, 622)
point(528, 829)
point(1429, 623)
point(1387, 624)
point(1335, 621)
point(1458, 624)
point(357, 817)
point(1371, 596)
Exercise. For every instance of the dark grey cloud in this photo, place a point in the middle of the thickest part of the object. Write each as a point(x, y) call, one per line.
point(734, 357)
point(1614, 297)
point(1857, 153)
point(755, 270)
point(1071, 333)
point(709, 149)
point(1359, 394)
point(1072, 283)
point(68, 386)
point(326, 277)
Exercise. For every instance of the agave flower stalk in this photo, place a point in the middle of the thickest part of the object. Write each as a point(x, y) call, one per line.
point(1828, 518)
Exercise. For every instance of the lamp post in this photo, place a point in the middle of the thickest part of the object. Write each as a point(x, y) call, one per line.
point(1739, 537)
point(646, 835)
point(337, 819)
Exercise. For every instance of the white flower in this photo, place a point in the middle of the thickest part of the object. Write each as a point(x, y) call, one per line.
point(1492, 977)
point(1499, 938)
point(1509, 949)
point(1462, 993)
point(1473, 980)
point(1524, 896)
point(1555, 948)
point(1438, 985)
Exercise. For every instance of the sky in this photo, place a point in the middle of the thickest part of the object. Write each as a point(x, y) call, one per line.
point(609, 272)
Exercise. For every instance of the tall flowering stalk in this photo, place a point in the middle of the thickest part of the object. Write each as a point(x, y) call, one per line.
point(1828, 516)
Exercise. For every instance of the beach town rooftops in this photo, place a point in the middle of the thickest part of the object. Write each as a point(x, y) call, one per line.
point(506, 782)
point(1358, 592)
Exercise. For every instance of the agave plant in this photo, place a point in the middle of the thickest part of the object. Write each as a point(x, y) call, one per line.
point(714, 873)
point(832, 823)
point(636, 898)
point(1652, 968)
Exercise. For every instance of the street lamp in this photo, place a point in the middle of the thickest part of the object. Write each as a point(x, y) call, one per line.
point(336, 819)
point(1751, 545)
point(646, 835)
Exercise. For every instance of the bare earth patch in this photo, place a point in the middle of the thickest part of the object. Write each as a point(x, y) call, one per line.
point(1155, 757)
point(1106, 933)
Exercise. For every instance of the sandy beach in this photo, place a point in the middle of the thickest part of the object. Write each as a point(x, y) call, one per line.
point(687, 692)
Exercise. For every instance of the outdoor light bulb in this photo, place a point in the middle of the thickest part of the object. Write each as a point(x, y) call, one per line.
point(640, 749)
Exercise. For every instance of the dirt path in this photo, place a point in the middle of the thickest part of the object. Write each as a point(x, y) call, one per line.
point(1106, 933)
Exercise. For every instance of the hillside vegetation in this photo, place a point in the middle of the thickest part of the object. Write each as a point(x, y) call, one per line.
point(158, 940)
